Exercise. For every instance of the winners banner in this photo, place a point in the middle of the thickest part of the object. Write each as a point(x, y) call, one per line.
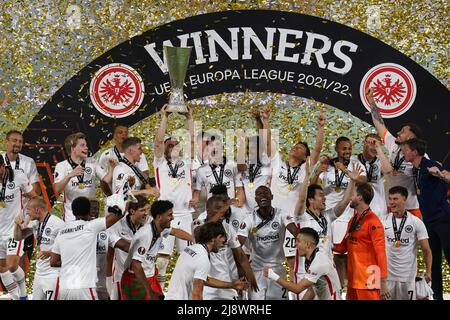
point(238, 51)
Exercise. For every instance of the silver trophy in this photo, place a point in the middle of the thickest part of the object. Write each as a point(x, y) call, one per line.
point(177, 63)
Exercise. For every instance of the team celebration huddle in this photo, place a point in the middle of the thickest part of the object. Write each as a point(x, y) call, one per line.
point(258, 226)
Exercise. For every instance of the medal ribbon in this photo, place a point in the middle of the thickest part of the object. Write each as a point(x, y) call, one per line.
point(41, 228)
point(291, 176)
point(338, 178)
point(355, 223)
point(398, 233)
point(264, 222)
point(416, 176)
point(219, 179)
point(309, 261)
point(173, 171)
point(322, 222)
point(371, 166)
point(253, 171)
point(74, 165)
point(4, 182)
point(136, 171)
point(398, 161)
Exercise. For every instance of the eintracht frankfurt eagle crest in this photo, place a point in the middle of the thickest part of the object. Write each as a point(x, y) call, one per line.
point(394, 89)
point(117, 90)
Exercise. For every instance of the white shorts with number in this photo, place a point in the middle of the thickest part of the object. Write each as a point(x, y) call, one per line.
point(268, 289)
point(181, 222)
point(10, 247)
point(78, 294)
point(44, 288)
point(402, 290)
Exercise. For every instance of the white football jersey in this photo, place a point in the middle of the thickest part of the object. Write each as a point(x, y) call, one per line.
point(283, 197)
point(76, 243)
point(323, 274)
point(72, 190)
point(326, 241)
point(231, 178)
point(105, 239)
point(193, 263)
point(178, 190)
point(378, 204)
point(124, 230)
point(262, 178)
point(13, 202)
point(49, 230)
point(404, 176)
point(267, 241)
point(144, 248)
point(402, 261)
point(222, 262)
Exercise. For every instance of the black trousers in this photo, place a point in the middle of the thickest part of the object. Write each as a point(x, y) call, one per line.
point(439, 238)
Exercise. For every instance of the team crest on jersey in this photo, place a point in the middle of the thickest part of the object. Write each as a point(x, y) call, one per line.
point(11, 185)
point(394, 89)
point(180, 163)
point(88, 170)
point(117, 90)
point(48, 231)
point(56, 174)
point(235, 224)
point(228, 173)
point(103, 236)
point(141, 250)
point(409, 228)
point(242, 226)
point(120, 176)
point(275, 225)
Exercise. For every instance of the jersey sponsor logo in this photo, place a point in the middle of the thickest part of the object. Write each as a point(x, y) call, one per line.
point(88, 183)
point(228, 173)
point(48, 231)
point(409, 228)
point(101, 248)
point(141, 250)
point(402, 240)
point(242, 226)
point(394, 89)
point(275, 225)
point(116, 90)
point(272, 238)
point(11, 185)
point(88, 170)
point(235, 224)
point(103, 236)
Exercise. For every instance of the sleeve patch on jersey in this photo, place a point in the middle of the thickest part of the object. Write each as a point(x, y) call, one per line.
point(120, 176)
point(141, 250)
point(48, 231)
point(56, 174)
point(242, 226)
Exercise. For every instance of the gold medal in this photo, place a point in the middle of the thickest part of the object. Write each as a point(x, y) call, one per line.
point(2, 204)
point(254, 230)
point(290, 186)
point(173, 180)
point(148, 186)
point(394, 172)
point(250, 185)
point(325, 238)
point(397, 244)
point(81, 185)
point(338, 189)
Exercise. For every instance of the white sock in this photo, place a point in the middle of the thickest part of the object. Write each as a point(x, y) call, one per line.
point(10, 285)
point(19, 276)
point(162, 264)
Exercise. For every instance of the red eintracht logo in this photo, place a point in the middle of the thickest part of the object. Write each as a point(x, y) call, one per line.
point(394, 89)
point(117, 90)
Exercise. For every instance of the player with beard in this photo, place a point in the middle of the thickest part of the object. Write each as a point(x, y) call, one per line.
point(365, 243)
point(265, 227)
point(335, 180)
point(402, 170)
point(193, 265)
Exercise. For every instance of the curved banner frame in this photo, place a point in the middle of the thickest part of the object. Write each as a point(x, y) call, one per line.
point(233, 51)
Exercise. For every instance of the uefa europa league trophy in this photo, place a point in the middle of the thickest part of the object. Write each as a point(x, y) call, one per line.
point(177, 63)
